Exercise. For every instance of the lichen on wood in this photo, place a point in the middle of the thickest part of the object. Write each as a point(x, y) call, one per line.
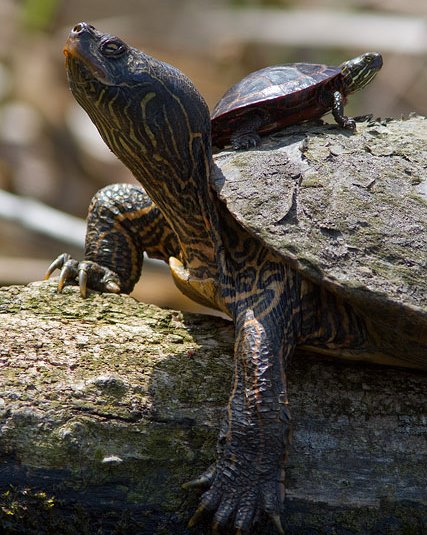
point(108, 405)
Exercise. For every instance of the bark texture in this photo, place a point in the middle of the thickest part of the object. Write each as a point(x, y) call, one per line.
point(108, 405)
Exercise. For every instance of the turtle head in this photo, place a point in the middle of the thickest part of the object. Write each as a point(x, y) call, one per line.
point(156, 122)
point(143, 108)
point(358, 72)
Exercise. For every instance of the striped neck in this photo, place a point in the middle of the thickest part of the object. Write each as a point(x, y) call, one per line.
point(358, 72)
point(157, 123)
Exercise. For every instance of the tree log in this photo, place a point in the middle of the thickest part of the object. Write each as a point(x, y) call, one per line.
point(108, 405)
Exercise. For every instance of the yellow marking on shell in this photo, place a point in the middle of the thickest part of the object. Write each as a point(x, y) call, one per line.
point(203, 291)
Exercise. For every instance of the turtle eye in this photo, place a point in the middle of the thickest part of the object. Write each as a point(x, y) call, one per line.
point(113, 48)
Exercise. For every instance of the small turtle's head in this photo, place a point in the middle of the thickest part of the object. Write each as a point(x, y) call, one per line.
point(358, 72)
point(147, 111)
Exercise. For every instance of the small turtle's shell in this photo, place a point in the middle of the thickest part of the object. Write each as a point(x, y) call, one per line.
point(287, 94)
point(349, 213)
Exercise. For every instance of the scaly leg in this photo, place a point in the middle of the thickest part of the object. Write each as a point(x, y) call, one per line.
point(122, 223)
point(248, 478)
point(338, 112)
point(246, 135)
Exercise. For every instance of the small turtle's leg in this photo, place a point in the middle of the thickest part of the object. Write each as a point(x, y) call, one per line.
point(338, 112)
point(246, 135)
point(122, 223)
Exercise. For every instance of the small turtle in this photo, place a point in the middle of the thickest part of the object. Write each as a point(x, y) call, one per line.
point(153, 118)
point(269, 99)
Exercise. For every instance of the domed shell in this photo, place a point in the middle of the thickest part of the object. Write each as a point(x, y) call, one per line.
point(283, 94)
point(349, 213)
point(273, 83)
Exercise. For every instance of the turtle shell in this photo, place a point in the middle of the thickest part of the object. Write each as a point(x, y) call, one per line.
point(348, 212)
point(287, 94)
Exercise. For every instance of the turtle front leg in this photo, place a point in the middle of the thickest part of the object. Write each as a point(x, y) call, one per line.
point(338, 112)
point(248, 479)
point(122, 223)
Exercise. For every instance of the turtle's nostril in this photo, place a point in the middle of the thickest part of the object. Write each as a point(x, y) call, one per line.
point(80, 28)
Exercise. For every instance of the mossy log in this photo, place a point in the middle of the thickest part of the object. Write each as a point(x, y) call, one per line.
point(108, 405)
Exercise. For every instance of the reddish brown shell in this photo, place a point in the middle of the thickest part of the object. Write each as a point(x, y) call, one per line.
point(285, 94)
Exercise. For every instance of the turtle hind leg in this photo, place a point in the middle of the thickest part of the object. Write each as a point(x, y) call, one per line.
point(246, 136)
point(338, 112)
point(248, 479)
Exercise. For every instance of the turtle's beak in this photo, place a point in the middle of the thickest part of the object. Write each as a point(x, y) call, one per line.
point(81, 46)
point(81, 32)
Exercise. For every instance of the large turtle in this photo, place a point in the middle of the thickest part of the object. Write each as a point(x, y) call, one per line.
point(277, 292)
point(269, 99)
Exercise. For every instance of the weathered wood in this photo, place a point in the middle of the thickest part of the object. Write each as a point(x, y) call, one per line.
point(109, 405)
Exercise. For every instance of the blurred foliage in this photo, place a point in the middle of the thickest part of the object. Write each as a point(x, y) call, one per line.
point(38, 15)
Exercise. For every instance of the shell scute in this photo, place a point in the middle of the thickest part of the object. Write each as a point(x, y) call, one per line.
point(275, 82)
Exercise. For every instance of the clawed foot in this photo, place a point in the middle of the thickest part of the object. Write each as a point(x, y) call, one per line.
point(349, 123)
point(238, 493)
point(86, 274)
point(245, 141)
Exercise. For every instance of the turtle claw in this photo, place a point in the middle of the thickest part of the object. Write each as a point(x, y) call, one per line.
point(205, 480)
point(238, 505)
point(87, 274)
point(58, 263)
point(83, 282)
point(349, 123)
point(194, 520)
point(112, 287)
point(275, 518)
point(198, 515)
point(68, 272)
point(216, 529)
